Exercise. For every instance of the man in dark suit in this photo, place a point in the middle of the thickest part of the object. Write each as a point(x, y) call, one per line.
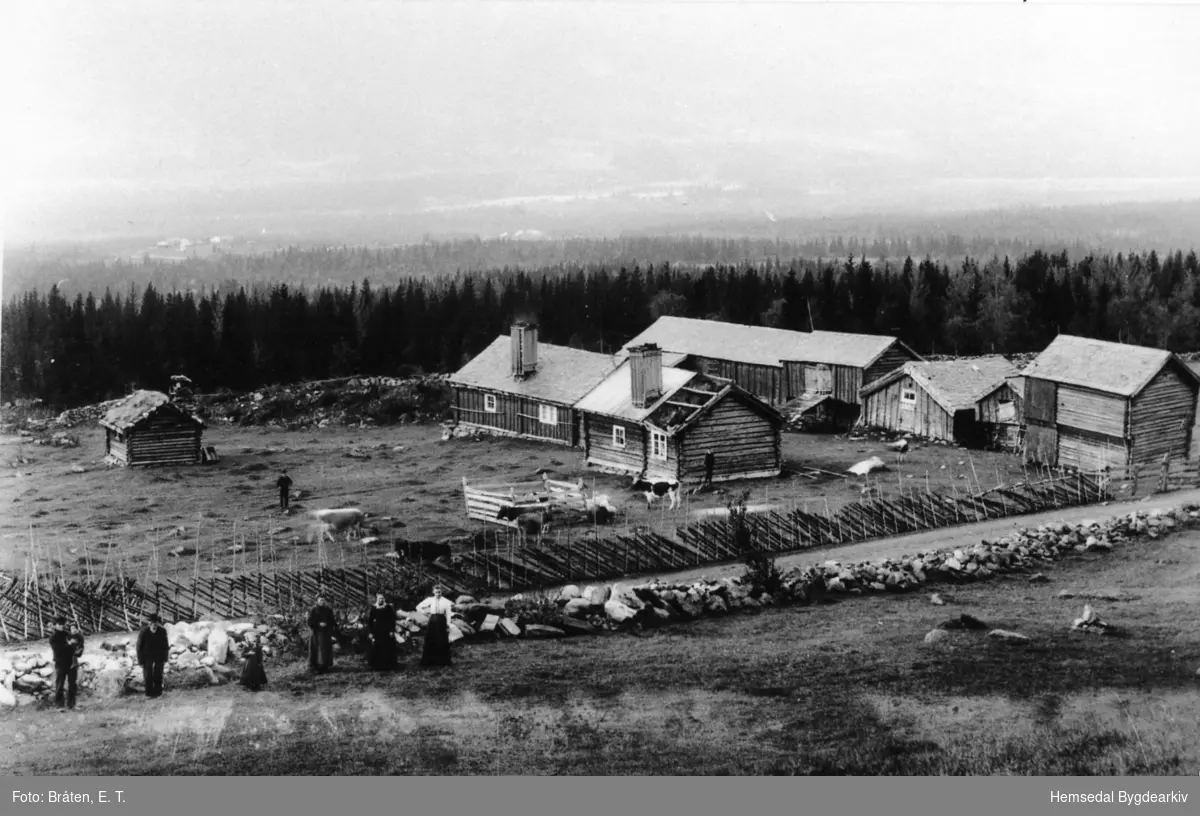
point(153, 649)
point(67, 648)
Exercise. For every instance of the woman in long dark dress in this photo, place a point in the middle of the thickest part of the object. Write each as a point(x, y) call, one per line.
point(381, 624)
point(254, 676)
point(436, 651)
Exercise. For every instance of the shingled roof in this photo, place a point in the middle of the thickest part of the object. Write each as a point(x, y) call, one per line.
point(139, 406)
point(761, 345)
point(1115, 368)
point(563, 374)
point(956, 385)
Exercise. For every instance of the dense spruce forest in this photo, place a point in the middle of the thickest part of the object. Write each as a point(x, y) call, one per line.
point(75, 349)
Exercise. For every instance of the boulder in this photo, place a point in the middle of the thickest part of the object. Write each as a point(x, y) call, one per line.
point(934, 635)
point(569, 593)
point(508, 626)
point(490, 623)
point(597, 594)
point(579, 607)
point(1004, 634)
point(218, 645)
point(576, 627)
point(537, 630)
point(619, 612)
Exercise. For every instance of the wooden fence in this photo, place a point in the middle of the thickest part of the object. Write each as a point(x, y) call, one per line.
point(510, 561)
point(28, 608)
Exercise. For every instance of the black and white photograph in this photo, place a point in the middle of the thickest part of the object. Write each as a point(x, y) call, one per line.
point(678, 388)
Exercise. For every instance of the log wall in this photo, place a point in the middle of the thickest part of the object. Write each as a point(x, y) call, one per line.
point(883, 409)
point(514, 416)
point(742, 440)
point(1161, 418)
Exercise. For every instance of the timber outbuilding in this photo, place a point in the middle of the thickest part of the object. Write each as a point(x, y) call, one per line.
point(147, 428)
point(968, 402)
point(780, 366)
point(662, 422)
point(1091, 404)
point(517, 387)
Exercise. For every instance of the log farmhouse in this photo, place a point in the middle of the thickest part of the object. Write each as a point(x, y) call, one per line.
point(1092, 404)
point(819, 369)
point(660, 422)
point(147, 428)
point(516, 387)
point(969, 402)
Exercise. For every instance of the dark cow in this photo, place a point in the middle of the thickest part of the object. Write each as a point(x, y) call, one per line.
point(654, 490)
point(421, 550)
point(530, 522)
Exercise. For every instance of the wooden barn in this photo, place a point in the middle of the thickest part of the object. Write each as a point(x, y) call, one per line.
point(960, 401)
point(660, 422)
point(146, 428)
point(1091, 404)
point(518, 387)
point(779, 366)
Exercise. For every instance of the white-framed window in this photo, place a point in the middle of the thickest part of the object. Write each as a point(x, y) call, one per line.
point(824, 380)
point(908, 398)
point(548, 414)
point(658, 445)
point(489, 403)
point(618, 436)
point(1008, 411)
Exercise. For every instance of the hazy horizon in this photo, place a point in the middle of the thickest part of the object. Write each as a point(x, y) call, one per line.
point(216, 116)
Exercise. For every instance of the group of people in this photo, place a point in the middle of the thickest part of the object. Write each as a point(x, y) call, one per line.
point(154, 648)
point(382, 647)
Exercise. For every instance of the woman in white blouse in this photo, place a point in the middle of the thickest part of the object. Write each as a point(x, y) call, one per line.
point(437, 636)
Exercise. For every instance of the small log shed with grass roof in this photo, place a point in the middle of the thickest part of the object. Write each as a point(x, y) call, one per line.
point(660, 422)
point(516, 387)
point(1092, 404)
point(964, 401)
point(147, 428)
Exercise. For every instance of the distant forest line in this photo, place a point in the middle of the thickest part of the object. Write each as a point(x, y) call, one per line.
point(95, 345)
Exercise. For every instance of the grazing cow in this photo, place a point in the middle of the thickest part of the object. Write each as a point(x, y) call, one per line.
point(348, 520)
point(654, 490)
point(530, 522)
point(421, 550)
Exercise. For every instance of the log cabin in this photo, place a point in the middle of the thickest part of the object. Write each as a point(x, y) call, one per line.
point(659, 422)
point(969, 402)
point(517, 387)
point(147, 428)
point(779, 366)
point(1092, 404)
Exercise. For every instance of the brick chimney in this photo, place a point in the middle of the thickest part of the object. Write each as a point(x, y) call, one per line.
point(524, 349)
point(645, 374)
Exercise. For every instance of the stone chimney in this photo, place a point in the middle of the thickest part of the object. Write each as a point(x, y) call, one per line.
point(524, 349)
point(645, 374)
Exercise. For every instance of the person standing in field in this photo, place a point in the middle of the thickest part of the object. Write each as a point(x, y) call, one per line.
point(436, 651)
point(381, 625)
point(284, 483)
point(153, 648)
point(67, 648)
point(320, 645)
point(254, 676)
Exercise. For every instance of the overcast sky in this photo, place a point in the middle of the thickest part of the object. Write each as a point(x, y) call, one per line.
point(114, 100)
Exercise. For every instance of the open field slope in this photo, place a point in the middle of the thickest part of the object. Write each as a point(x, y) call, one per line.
point(844, 688)
point(73, 522)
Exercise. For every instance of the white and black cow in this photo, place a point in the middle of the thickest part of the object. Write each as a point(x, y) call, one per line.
point(655, 489)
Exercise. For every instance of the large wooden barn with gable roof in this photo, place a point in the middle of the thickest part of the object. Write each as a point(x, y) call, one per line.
point(147, 428)
point(516, 387)
point(1090, 404)
point(969, 402)
point(777, 365)
point(660, 422)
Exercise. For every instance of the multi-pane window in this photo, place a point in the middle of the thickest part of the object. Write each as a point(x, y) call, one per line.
point(658, 445)
point(618, 436)
point(489, 403)
point(548, 414)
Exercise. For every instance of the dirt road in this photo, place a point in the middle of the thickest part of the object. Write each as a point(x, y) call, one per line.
point(965, 534)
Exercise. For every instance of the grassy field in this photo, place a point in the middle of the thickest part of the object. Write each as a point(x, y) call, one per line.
point(65, 517)
point(847, 688)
